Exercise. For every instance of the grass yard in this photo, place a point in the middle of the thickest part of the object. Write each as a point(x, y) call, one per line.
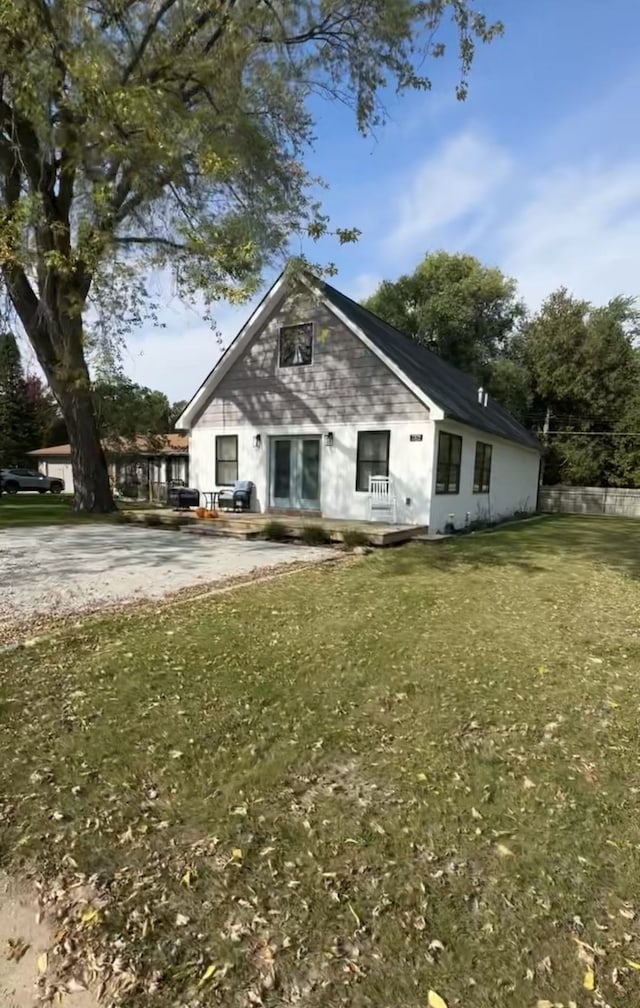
point(31, 509)
point(21, 510)
point(417, 771)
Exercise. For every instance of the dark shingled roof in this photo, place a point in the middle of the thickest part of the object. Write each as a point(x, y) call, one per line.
point(452, 390)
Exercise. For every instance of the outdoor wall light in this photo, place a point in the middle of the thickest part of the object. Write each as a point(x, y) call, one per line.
point(328, 439)
point(257, 441)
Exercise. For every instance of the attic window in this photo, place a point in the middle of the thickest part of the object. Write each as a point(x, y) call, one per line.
point(296, 345)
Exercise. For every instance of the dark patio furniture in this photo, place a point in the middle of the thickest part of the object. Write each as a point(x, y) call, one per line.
point(237, 497)
point(182, 497)
point(211, 499)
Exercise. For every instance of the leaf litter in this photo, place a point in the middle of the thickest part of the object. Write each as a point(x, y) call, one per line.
point(328, 833)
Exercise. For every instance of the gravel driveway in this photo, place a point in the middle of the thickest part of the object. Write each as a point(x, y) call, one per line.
point(58, 570)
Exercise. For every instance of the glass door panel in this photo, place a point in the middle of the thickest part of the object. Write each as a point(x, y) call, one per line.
point(309, 484)
point(281, 473)
point(295, 473)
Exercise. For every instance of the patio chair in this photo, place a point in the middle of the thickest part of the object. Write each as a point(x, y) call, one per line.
point(238, 497)
point(382, 499)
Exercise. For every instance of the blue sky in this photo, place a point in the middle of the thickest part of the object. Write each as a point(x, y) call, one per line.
point(537, 172)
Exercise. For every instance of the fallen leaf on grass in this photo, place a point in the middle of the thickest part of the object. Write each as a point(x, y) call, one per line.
point(208, 973)
point(236, 854)
point(634, 965)
point(504, 851)
point(589, 982)
point(435, 1001)
point(41, 963)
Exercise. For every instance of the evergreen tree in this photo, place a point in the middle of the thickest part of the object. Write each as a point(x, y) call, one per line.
point(18, 426)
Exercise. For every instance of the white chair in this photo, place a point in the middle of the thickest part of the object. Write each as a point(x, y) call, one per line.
point(382, 499)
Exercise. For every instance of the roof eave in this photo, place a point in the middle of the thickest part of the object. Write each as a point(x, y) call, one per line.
point(195, 406)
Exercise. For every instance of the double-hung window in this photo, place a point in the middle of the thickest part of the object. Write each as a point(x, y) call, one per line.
point(448, 467)
point(482, 468)
point(372, 457)
point(226, 459)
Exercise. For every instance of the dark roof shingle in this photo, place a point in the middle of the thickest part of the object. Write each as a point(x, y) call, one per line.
point(454, 391)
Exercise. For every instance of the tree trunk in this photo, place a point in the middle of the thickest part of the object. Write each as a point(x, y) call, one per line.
point(92, 491)
point(54, 328)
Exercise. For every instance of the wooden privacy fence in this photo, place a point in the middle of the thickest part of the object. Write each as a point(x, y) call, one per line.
point(621, 501)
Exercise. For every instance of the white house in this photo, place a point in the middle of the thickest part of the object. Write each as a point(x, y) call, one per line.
point(316, 394)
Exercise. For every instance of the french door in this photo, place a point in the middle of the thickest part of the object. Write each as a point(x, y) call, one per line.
point(295, 473)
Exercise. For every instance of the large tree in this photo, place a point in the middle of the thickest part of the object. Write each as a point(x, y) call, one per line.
point(453, 304)
point(124, 409)
point(18, 421)
point(585, 375)
point(146, 133)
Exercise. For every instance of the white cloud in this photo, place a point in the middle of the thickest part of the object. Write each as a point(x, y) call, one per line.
point(362, 286)
point(577, 226)
point(548, 215)
point(176, 359)
point(455, 186)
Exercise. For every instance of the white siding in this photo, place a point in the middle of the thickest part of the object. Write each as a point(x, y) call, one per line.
point(345, 383)
point(513, 485)
point(409, 465)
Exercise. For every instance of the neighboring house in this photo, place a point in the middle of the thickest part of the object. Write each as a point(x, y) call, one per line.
point(316, 394)
point(142, 465)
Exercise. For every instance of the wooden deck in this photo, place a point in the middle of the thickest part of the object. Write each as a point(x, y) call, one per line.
point(250, 526)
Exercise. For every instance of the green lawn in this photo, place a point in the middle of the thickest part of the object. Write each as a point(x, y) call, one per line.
point(415, 771)
point(21, 510)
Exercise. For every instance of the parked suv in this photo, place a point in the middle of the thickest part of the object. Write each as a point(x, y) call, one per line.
point(13, 480)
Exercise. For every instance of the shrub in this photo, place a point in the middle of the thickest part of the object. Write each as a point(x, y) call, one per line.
point(275, 530)
point(153, 520)
point(123, 517)
point(315, 535)
point(129, 490)
point(354, 537)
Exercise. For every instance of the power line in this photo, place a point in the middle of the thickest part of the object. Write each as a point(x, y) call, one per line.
point(601, 433)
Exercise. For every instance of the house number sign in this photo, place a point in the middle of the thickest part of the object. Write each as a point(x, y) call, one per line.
point(415, 437)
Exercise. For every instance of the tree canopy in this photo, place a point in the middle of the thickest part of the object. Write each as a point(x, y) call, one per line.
point(173, 133)
point(585, 375)
point(124, 409)
point(454, 305)
point(570, 371)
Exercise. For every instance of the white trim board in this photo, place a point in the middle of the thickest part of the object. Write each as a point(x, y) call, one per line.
point(251, 328)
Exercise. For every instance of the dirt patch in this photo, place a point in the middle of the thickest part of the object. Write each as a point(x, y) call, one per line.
point(26, 940)
point(342, 780)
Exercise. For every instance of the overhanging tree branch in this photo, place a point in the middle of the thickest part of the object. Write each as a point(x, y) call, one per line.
point(151, 240)
point(152, 27)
